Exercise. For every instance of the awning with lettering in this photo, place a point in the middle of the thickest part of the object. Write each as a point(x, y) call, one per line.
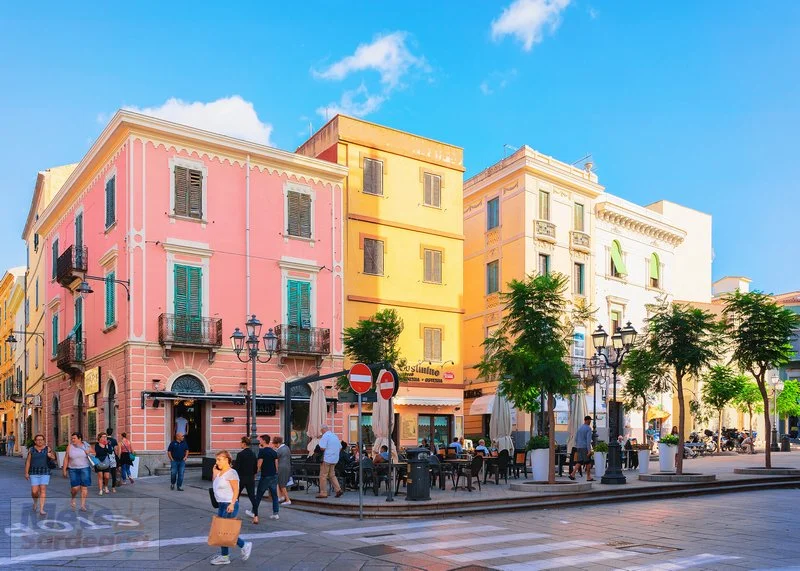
point(428, 401)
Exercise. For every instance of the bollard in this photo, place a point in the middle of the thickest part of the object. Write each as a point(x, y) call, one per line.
point(786, 446)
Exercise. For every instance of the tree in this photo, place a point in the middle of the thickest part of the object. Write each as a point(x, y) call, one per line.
point(374, 340)
point(528, 351)
point(761, 332)
point(645, 376)
point(749, 400)
point(789, 399)
point(685, 339)
point(721, 385)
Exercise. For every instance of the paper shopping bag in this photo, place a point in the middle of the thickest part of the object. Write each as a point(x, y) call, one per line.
point(224, 531)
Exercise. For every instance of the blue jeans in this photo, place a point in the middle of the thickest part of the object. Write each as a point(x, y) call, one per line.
point(176, 469)
point(126, 471)
point(271, 483)
point(223, 512)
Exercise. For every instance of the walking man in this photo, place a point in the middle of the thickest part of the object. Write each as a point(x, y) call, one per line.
point(11, 440)
point(245, 466)
point(583, 442)
point(177, 451)
point(330, 446)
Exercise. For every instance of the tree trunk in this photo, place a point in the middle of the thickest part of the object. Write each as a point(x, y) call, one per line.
point(762, 387)
point(719, 430)
point(644, 423)
point(750, 411)
point(681, 417)
point(551, 419)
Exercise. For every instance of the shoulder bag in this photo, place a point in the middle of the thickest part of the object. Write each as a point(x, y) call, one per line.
point(52, 464)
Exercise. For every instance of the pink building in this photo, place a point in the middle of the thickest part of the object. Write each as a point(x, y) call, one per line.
point(201, 230)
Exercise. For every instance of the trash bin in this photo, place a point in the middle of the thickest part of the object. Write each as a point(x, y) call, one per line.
point(419, 479)
point(208, 468)
point(786, 446)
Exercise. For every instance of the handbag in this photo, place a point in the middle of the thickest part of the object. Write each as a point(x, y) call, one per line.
point(224, 531)
point(132, 457)
point(104, 464)
point(214, 502)
point(52, 464)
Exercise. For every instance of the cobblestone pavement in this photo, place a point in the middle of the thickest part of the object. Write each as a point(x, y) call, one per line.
point(148, 526)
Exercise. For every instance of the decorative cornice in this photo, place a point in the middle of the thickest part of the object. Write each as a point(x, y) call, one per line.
point(623, 217)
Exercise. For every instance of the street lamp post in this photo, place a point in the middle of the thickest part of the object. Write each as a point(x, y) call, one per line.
point(622, 341)
point(238, 342)
point(594, 374)
point(777, 386)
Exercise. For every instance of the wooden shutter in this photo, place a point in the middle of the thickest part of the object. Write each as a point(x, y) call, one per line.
point(54, 332)
point(432, 190)
point(373, 256)
point(373, 177)
point(293, 303)
point(78, 234)
point(110, 201)
point(181, 191)
point(195, 193)
point(433, 266)
point(188, 302)
point(55, 257)
point(299, 212)
point(433, 344)
point(110, 305)
point(579, 218)
point(181, 293)
point(544, 205)
point(78, 328)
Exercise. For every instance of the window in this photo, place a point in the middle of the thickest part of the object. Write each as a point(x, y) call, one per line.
point(54, 255)
point(617, 265)
point(111, 204)
point(578, 279)
point(299, 214)
point(433, 190)
point(544, 264)
point(579, 218)
point(54, 333)
point(373, 256)
point(110, 301)
point(37, 293)
point(544, 205)
point(36, 354)
point(433, 344)
point(433, 266)
point(493, 213)
point(188, 302)
point(77, 329)
point(373, 177)
point(616, 320)
point(298, 304)
point(493, 277)
point(78, 236)
point(655, 271)
point(188, 192)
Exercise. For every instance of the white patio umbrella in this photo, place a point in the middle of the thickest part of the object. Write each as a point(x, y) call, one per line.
point(577, 412)
point(380, 427)
point(500, 424)
point(317, 413)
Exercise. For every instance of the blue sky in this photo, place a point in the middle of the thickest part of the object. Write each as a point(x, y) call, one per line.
point(694, 102)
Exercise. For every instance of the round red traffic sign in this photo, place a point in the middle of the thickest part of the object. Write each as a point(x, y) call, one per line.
point(360, 378)
point(386, 384)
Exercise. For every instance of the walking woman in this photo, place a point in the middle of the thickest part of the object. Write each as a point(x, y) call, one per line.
point(284, 469)
point(37, 471)
point(103, 452)
point(126, 457)
point(226, 492)
point(76, 461)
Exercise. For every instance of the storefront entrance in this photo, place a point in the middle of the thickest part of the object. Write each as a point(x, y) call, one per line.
point(188, 417)
point(435, 428)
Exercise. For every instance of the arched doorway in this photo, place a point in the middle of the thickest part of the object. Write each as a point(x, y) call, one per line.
point(111, 406)
point(29, 427)
point(187, 413)
point(79, 413)
point(56, 420)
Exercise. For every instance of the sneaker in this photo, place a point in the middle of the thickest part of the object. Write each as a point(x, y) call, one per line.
point(287, 503)
point(246, 549)
point(249, 513)
point(172, 486)
point(180, 489)
point(221, 560)
point(274, 516)
point(100, 493)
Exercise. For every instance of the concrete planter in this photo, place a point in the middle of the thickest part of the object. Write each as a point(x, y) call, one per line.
point(60, 456)
point(644, 461)
point(540, 464)
point(135, 468)
point(23, 451)
point(666, 457)
point(599, 464)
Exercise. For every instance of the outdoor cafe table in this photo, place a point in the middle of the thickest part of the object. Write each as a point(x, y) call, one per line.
point(459, 463)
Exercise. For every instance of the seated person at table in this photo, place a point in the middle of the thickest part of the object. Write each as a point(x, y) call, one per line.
point(383, 456)
point(481, 447)
point(457, 445)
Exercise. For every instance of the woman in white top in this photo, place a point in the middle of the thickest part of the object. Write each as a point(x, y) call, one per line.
point(76, 463)
point(226, 492)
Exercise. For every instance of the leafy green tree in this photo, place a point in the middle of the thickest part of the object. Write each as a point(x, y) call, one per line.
point(761, 332)
point(686, 340)
point(720, 386)
point(645, 376)
point(789, 399)
point(528, 352)
point(374, 340)
point(749, 399)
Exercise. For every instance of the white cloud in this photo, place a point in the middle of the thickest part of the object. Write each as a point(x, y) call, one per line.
point(497, 81)
point(527, 19)
point(355, 102)
point(593, 14)
point(388, 55)
point(231, 116)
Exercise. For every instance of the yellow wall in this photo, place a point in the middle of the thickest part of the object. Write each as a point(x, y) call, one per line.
point(10, 303)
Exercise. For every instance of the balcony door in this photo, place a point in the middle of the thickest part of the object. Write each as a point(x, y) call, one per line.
point(298, 302)
point(188, 304)
point(79, 240)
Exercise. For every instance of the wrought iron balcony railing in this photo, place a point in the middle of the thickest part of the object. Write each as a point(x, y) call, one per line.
point(71, 354)
point(189, 331)
point(71, 265)
point(293, 339)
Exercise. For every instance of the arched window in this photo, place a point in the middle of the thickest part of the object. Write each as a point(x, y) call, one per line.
point(655, 271)
point(188, 384)
point(618, 269)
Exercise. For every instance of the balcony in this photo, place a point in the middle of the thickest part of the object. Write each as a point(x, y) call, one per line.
point(580, 242)
point(189, 332)
point(544, 230)
point(303, 341)
point(72, 265)
point(71, 355)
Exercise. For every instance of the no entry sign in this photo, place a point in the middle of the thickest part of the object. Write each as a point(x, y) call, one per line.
point(386, 384)
point(360, 378)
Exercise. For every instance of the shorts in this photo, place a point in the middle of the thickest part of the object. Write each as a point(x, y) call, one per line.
point(40, 479)
point(80, 477)
point(583, 456)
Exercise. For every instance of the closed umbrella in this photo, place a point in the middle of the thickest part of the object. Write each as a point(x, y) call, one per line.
point(500, 424)
point(380, 427)
point(317, 412)
point(577, 412)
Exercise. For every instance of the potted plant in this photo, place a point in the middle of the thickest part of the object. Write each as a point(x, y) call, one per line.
point(667, 448)
point(61, 451)
point(540, 457)
point(643, 452)
point(600, 454)
point(27, 446)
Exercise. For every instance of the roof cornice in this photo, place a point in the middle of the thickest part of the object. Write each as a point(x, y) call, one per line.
point(37, 194)
point(620, 215)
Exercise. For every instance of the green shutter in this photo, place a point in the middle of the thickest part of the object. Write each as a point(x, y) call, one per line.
point(77, 329)
point(110, 201)
point(79, 233)
point(55, 334)
point(298, 304)
point(110, 305)
point(55, 257)
point(655, 270)
point(188, 302)
point(616, 258)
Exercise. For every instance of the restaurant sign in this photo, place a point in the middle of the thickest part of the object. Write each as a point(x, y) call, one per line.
point(91, 381)
point(422, 374)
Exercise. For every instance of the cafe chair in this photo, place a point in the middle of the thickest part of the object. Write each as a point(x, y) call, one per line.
point(436, 469)
point(499, 468)
point(519, 463)
point(471, 472)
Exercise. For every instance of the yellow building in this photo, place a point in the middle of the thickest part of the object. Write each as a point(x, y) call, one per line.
point(403, 248)
point(11, 378)
point(48, 183)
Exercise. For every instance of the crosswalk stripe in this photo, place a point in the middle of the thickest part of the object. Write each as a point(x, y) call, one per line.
point(684, 562)
point(515, 551)
point(565, 561)
point(423, 534)
point(395, 526)
point(416, 547)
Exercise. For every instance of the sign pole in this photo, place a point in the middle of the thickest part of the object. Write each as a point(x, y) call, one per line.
point(389, 495)
point(360, 465)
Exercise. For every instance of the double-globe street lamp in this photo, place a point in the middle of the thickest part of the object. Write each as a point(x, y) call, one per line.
point(594, 374)
point(777, 386)
point(621, 341)
point(238, 342)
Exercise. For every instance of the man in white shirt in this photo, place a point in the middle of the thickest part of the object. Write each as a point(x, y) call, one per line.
point(181, 425)
point(330, 446)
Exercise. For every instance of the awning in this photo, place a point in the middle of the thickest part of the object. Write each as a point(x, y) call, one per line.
point(482, 405)
point(428, 401)
point(657, 414)
point(225, 397)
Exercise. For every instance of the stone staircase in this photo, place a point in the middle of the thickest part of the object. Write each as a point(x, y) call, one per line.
point(192, 463)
